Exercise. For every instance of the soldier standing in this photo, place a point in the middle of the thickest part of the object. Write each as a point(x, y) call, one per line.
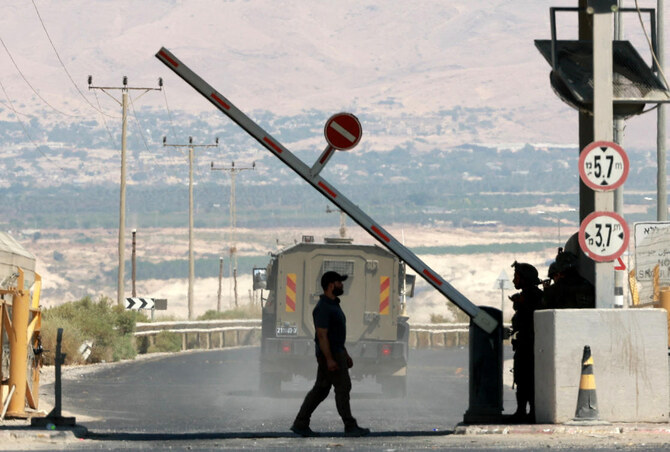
point(525, 303)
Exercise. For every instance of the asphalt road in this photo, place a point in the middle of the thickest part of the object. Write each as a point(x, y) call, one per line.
point(217, 392)
point(210, 400)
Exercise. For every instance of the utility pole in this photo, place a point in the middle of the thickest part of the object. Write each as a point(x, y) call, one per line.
point(661, 183)
point(191, 264)
point(133, 263)
point(343, 220)
point(218, 294)
point(122, 202)
point(601, 13)
point(233, 216)
point(618, 139)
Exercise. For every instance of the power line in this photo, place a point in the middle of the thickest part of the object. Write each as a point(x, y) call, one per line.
point(167, 107)
point(60, 60)
point(31, 86)
point(122, 202)
point(104, 121)
point(25, 129)
point(137, 122)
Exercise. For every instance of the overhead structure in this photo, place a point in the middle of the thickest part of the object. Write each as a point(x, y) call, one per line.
point(634, 82)
point(479, 316)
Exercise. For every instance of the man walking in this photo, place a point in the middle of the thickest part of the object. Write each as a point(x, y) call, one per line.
point(333, 360)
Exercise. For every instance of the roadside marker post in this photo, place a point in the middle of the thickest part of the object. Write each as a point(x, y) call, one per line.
point(478, 315)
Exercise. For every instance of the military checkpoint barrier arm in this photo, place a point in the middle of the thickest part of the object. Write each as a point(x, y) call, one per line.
point(479, 317)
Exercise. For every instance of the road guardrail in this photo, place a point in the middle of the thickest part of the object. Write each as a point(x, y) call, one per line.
point(209, 334)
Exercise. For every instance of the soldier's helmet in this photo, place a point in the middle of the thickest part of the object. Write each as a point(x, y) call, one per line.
point(527, 272)
point(553, 270)
point(565, 261)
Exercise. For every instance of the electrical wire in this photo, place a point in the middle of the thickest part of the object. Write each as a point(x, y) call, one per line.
point(18, 113)
point(137, 122)
point(63, 65)
point(23, 126)
point(651, 47)
point(31, 86)
point(104, 121)
point(167, 107)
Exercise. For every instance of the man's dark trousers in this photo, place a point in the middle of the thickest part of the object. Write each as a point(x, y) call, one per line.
point(340, 380)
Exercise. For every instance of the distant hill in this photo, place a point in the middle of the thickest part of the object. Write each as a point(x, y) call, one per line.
point(405, 67)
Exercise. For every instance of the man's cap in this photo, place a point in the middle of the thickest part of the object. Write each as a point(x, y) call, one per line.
point(330, 277)
point(527, 272)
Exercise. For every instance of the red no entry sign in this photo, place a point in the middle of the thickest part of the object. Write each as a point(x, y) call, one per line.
point(343, 131)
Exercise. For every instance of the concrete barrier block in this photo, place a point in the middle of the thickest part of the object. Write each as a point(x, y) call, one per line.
point(630, 363)
point(423, 339)
point(437, 340)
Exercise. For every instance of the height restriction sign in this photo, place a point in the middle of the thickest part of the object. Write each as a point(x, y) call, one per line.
point(603, 165)
point(603, 236)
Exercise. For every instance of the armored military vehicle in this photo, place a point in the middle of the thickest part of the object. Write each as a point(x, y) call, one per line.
point(377, 330)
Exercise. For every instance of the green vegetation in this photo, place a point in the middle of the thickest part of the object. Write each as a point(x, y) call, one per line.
point(242, 312)
point(165, 341)
point(109, 327)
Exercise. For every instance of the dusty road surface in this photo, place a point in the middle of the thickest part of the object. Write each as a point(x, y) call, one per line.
point(210, 400)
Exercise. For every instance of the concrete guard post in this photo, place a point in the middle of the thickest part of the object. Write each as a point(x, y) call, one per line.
point(486, 379)
point(630, 349)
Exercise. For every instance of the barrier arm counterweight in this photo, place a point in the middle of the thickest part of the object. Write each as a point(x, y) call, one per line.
point(478, 316)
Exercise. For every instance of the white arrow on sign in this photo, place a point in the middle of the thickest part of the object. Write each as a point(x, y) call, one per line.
point(603, 236)
point(136, 304)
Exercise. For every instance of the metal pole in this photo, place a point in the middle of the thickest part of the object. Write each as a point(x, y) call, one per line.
point(618, 193)
point(218, 294)
point(586, 197)
point(122, 202)
point(662, 196)
point(233, 223)
point(60, 360)
point(18, 346)
point(602, 127)
point(502, 300)
point(191, 265)
point(133, 262)
point(235, 283)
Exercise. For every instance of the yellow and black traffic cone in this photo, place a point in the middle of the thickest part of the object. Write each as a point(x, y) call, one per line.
point(587, 403)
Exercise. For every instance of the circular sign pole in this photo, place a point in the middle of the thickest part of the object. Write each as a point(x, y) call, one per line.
point(604, 236)
point(343, 131)
point(603, 166)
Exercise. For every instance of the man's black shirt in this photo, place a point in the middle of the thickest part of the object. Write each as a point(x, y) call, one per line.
point(329, 315)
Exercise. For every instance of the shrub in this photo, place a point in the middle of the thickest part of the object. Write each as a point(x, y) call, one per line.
point(166, 342)
point(243, 312)
point(108, 326)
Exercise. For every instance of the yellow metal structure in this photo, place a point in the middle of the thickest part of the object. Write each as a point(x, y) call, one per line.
point(22, 332)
